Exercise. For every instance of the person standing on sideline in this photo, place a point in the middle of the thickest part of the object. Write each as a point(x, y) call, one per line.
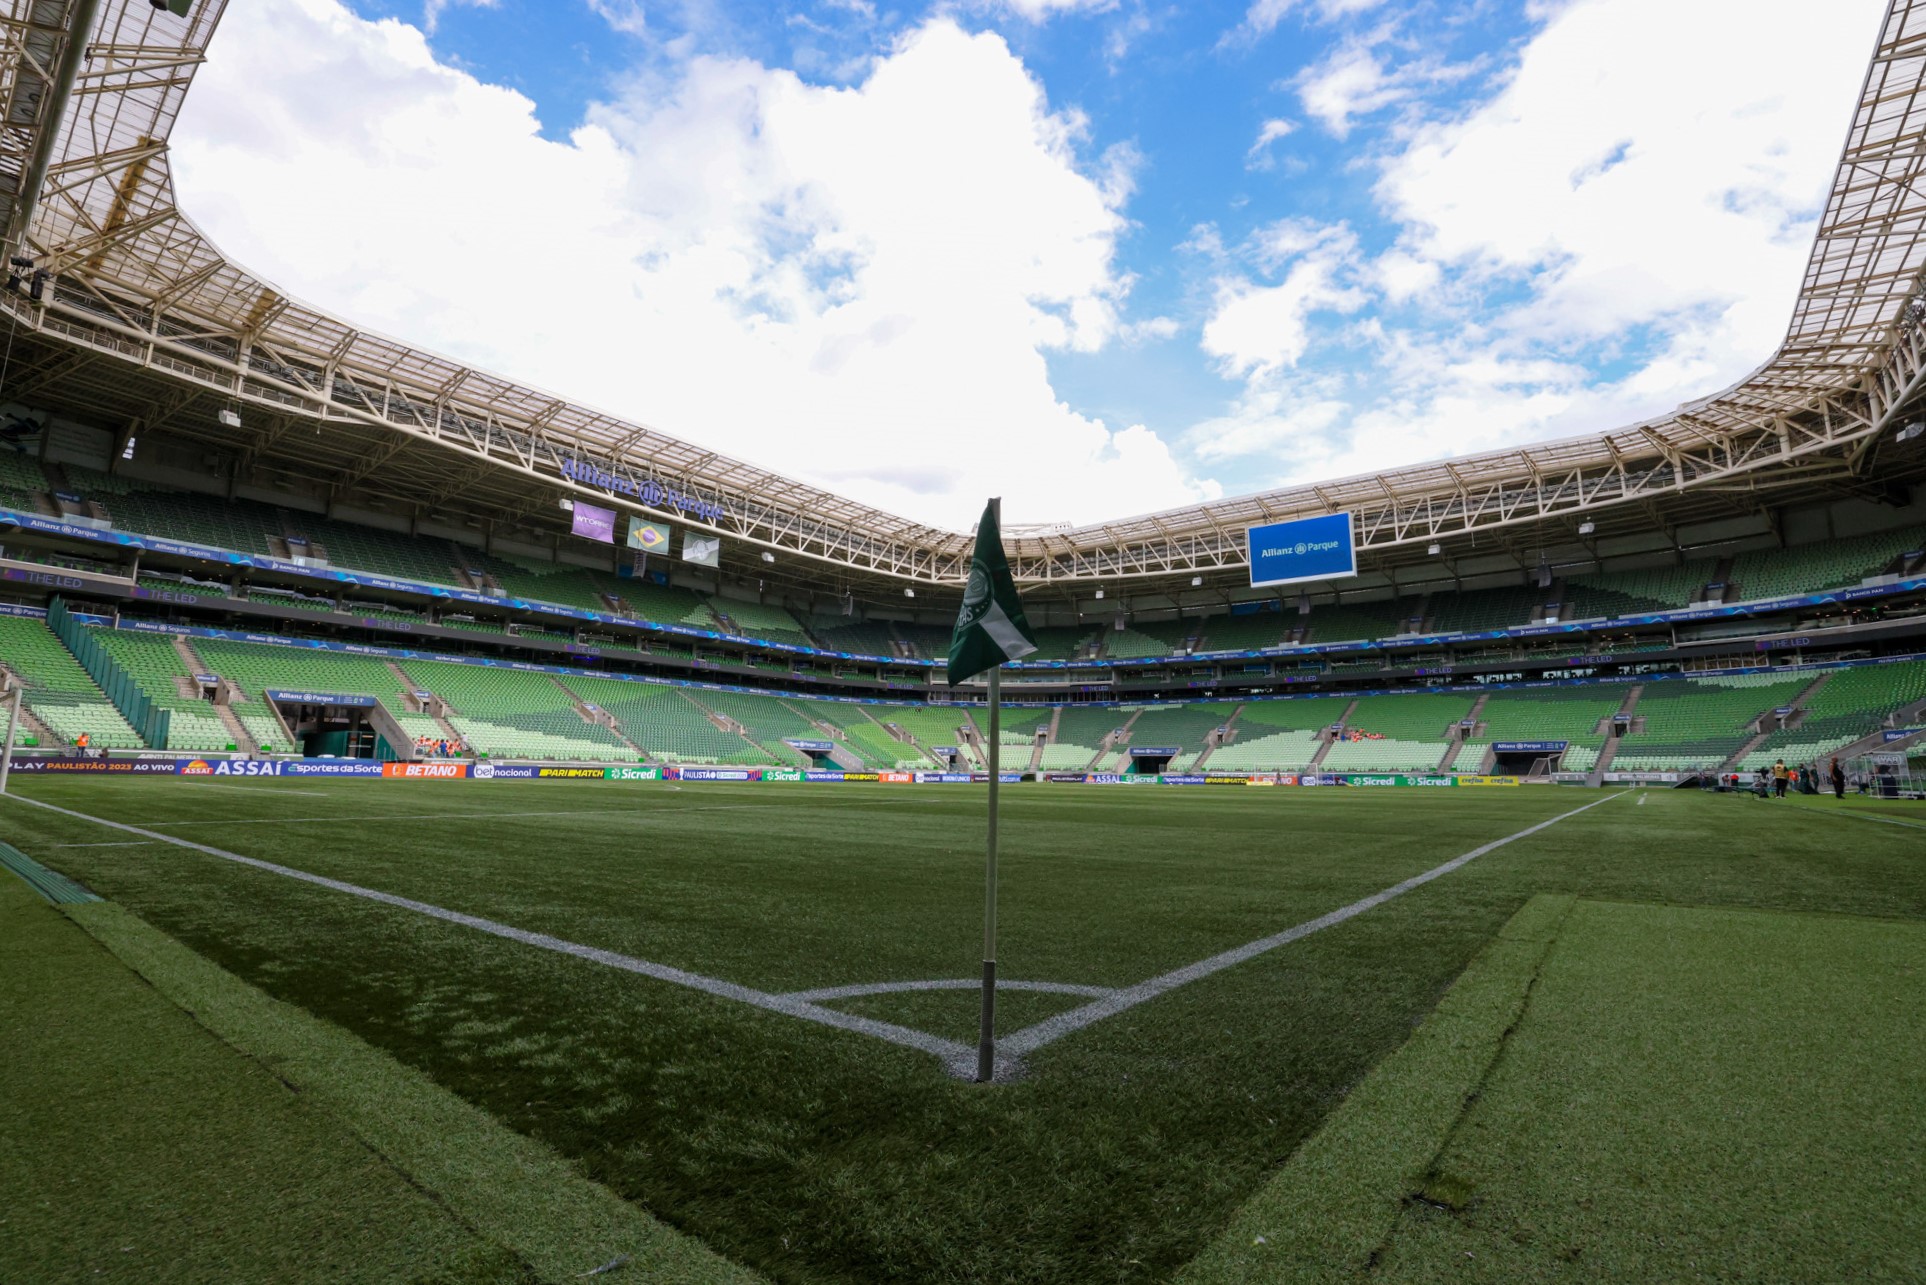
point(1781, 778)
point(1838, 779)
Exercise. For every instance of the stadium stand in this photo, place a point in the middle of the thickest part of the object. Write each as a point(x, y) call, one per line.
point(1352, 621)
point(929, 724)
point(762, 620)
point(1701, 722)
point(1080, 733)
point(58, 690)
point(1545, 714)
point(1833, 564)
point(1487, 609)
point(846, 633)
point(509, 713)
point(1249, 632)
point(1055, 642)
point(768, 721)
point(1624, 593)
point(863, 736)
point(932, 642)
point(20, 480)
point(1853, 703)
point(1181, 726)
point(1277, 735)
point(1137, 643)
point(664, 723)
point(258, 667)
point(1414, 729)
point(154, 665)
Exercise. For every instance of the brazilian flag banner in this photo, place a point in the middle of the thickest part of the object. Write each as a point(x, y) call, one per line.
point(990, 628)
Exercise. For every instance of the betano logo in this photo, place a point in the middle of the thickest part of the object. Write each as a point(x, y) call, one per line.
point(416, 770)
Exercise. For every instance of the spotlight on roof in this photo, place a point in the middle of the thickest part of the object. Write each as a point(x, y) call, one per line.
point(768, 556)
point(1434, 548)
point(1911, 431)
point(1586, 528)
point(1099, 593)
point(568, 505)
point(909, 593)
point(1195, 581)
point(229, 417)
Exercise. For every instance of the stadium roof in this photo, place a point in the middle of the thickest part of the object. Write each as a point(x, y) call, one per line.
point(145, 324)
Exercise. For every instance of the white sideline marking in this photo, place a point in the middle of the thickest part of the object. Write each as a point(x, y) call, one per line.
point(949, 1050)
point(1052, 1029)
point(1860, 816)
point(132, 843)
point(260, 789)
point(945, 984)
point(959, 1058)
point(399, 816)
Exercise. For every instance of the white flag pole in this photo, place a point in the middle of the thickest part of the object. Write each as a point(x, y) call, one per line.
point(986, 1026)
point(13, 725)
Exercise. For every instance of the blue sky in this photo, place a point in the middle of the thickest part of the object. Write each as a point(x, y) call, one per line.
point(1102, 258)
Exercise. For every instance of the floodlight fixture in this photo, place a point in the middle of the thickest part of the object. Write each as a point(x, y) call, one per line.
point(229, 417)
point(1195, 581)
point(768, 556)
point(908, 592)
point(1099, 594)
point(1586, 528)
point(1434, 548)
point(568, 505)
point(1911, 431)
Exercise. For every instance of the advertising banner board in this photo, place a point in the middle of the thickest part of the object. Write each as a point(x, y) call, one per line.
point(1487, 780)
point(1319, 548)
point(319, 698)
point(427, 771)
point(633, 774)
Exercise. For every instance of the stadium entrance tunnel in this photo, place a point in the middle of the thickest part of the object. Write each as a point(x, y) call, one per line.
point(1152, 760)
point(325, 729)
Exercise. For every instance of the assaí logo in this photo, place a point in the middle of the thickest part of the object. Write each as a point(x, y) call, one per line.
point(198, 767)
point(247, 767)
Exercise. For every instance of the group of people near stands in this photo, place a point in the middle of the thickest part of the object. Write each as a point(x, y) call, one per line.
point(429, 747)
point(1774, 782)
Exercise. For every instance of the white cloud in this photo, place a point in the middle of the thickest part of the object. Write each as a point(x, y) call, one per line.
point(431, 10)
point(1255, 329)
point(1259, 155)
point(1620, 226)
point(629, 17)
point(1042, 10)
point(1264, 15)
point(857, 286)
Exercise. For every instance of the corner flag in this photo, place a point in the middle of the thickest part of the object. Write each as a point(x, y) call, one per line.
point(990, 627)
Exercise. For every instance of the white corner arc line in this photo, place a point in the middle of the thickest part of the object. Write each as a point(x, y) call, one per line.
point(948, 1050)
point(860, 989)
point(1052, 1029)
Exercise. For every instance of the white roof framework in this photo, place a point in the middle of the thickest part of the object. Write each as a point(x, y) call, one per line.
point(146, 317)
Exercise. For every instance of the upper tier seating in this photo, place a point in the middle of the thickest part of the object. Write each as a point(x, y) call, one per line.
point(762, 620)
point(151, 661)
point(1055, 642)
point(1252, 631)
point(1782, 573)
point(858, 637)
point(1501, 608)
point(1853, 704)
point(20, 477)
point(1625, 593)
point(58, 690)
point(1700, 722)
point(931, 642)
point(1352, 621)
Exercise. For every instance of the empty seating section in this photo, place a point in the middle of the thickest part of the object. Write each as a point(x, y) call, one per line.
point(181, 586)
point(762, 620)
point(664, 604)
point(197, 519)
point(1252, 632)
point(1853, 704)
point(859, 637)
point(932, 642)
point(1180, 727)
point(1080, 733)
point(1487, 609)
point(1347, 622)
point(1700, 722)
point(1625, 593)
point(1546, 714)
point(20, 477)
point(151, 661)
point(1020, 726)
point(863, 737)
point(1276, 735)
point(1415, 729)
point(508, 713)
point(558, 583)
point(259, 667)
point(929, 724)
point(769, 721)
point(58, 690)
point(1780, 573)
point(1055, 642)
point(363, 548)
point(1135, 644)
point(664, 723)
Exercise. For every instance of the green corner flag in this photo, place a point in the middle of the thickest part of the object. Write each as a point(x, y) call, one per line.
point(990, 627)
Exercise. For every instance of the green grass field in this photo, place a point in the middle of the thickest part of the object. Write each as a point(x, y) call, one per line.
point(811, 1153)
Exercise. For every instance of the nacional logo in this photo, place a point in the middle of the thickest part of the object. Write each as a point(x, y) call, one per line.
point(198, 767)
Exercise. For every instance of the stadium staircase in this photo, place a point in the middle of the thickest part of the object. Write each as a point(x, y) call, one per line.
point(1117, 743)
point(844, 755)
point(1458, 743)
point(1212, 741)
point(1324, 750)
point(1760, 731)
point(599, 717)
point(1609, 751)
point(723, 722)
point(191, 661)
point(30, 726)
point(409, 685)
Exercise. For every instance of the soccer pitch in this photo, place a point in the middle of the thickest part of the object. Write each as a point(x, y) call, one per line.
point(740, 1006)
